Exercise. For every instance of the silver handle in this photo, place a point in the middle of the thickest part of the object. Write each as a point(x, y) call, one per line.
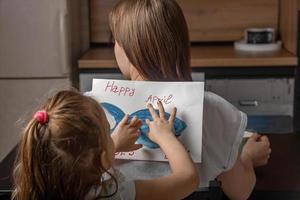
point(64, 43)
point(249, 103)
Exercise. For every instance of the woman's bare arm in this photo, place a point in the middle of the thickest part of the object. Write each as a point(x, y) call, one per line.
point(239, 182)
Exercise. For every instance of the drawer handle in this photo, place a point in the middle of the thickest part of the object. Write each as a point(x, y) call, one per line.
point(252, 103)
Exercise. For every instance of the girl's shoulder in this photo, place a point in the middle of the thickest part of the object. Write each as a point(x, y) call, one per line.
point(125, 188)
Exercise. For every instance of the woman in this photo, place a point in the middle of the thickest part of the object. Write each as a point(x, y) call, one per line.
point(152, 43)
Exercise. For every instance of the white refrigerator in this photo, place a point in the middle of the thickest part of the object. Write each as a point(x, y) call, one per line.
point(34, 61)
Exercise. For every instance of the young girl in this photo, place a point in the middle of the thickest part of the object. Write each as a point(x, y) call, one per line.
point(152, 43)
point(66, 152)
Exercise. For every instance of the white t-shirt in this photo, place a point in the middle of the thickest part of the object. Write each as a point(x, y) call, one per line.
point(126, 188)
point(223, 130)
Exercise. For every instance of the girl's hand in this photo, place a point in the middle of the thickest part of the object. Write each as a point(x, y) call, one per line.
point(257, 150)
point(160, 128)
point(184, 175)
point(126, 134)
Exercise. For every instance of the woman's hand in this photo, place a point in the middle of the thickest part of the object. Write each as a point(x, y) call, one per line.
point(160, 128)
point(257, 150)
point(126, 134)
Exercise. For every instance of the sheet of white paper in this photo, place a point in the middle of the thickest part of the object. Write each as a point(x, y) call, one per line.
point(119, 97)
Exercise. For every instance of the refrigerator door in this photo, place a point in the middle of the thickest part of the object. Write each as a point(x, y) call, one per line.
point(18, 100)
point(33, 38)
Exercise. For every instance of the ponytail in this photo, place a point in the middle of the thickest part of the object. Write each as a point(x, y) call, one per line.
point(29, 172)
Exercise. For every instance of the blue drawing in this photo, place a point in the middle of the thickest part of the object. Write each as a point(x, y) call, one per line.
point(143, 114)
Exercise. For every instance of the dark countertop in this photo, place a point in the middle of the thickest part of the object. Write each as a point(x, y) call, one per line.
point(283, 170)
point(280, 179)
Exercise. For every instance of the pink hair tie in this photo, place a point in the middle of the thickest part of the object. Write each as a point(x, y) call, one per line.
point(41, 116)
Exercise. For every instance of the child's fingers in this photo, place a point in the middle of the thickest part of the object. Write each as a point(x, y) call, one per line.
point(138, 132)
point(134, 132)
point(137, 124)
point(136, 147)
point(173, 115)
point(124, 121)
point(133, 121)
point(147, 121)
point(134, 129)
point(161, 110)
point(152, 111)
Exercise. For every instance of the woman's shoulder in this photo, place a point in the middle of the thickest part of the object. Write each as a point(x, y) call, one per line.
point(218, 102)
point(220, 110)
point(126, 188)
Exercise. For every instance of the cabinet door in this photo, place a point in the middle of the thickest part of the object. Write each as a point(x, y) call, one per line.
point(18, 98)
point(256, 96)
point(33, 38)
point(208, 20)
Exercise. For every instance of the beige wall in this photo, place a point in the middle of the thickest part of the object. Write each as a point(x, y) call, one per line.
point(18, 100)
point(35, 57)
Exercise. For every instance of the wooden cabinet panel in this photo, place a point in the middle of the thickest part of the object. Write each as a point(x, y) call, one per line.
point(208, 20)
point(289, 24)
point(223, 20)
point(99, 11)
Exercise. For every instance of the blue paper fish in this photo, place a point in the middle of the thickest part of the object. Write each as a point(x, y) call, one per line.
point(143, 114)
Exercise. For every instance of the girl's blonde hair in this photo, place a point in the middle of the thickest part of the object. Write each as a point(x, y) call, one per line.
point(62, 158)
point(154, 36)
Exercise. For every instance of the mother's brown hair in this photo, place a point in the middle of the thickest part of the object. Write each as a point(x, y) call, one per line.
point(62, 158)
point(154, 36)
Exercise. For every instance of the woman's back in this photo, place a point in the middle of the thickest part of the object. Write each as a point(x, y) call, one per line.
point(223, 129)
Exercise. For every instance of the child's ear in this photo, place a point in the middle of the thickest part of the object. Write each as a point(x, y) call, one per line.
point(105, 161)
